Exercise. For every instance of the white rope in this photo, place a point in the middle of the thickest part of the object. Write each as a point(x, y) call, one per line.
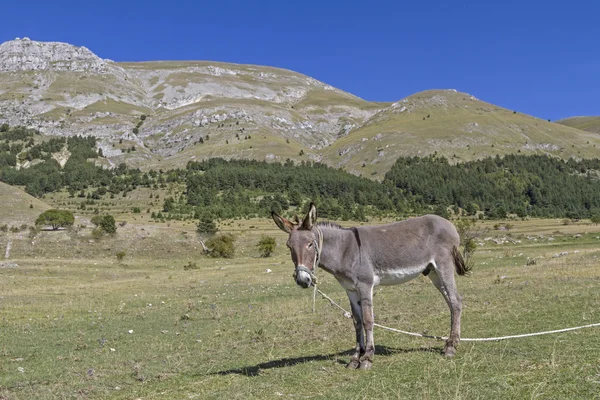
point(348, 315)
point(318, 246)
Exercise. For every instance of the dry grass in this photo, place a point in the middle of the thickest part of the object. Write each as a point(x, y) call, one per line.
point(590, 124)
point(18, 207)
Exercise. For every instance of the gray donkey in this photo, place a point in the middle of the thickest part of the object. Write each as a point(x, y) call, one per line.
point(361, 258)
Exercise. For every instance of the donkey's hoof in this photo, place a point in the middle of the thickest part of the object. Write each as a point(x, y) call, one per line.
point(354, 364)
point(449, 352)
point(366, 364)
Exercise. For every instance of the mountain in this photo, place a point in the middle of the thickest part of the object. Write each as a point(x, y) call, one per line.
point(68, 90)
point(589, 124)
point(458, 126)
point(171, 112)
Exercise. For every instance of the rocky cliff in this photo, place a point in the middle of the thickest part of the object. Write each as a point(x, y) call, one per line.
point(67, 90)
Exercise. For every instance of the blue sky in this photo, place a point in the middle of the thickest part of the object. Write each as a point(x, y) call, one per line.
point(537, 57)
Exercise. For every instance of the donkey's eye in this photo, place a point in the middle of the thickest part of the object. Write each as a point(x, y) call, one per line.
point(310, 245)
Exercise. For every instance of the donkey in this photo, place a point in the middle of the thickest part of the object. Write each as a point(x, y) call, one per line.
point(360, 258)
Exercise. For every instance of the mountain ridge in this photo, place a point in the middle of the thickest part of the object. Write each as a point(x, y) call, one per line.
point(175, 111)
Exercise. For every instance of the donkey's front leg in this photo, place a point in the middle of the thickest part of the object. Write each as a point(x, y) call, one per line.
point(366, 303)
point(358, 326)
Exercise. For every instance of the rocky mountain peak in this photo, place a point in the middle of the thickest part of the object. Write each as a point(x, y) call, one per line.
point(30, 55)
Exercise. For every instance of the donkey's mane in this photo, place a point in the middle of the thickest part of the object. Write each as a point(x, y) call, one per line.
point(327, 224)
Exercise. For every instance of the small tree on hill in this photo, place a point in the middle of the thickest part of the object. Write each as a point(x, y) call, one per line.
point(266, 246)
point(56, 218)
point(206, 226)
point(105, 223)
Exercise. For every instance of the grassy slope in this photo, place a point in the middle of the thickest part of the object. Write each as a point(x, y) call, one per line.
point(457, 126)
point(230, 330)
point(16, 209)
point(589, 124)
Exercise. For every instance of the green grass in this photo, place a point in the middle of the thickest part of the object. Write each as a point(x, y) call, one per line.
point(230, 330)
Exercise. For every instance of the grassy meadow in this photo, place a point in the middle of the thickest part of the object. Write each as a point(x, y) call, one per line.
point(77, 323)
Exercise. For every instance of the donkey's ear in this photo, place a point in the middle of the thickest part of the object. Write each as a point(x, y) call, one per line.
point(311, 217)
point(282, 223)
point(296, 220)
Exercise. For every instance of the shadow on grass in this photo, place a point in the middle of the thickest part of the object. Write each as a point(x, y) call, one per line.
point(254, 370)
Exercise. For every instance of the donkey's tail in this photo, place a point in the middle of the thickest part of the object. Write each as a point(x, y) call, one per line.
point(462, 268)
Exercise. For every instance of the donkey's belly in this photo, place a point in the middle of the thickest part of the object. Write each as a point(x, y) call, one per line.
point(398, 275)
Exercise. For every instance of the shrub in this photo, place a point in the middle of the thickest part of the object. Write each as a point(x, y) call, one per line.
point(190, 265)
point(97, 233)
point(221, 246)
point(106, 223)
point(33, 231)
point(120, 255)
point(266, 246)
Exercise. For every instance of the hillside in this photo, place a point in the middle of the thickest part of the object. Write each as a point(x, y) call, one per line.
point(17, 206)
point(171, 112)
point(456, 125)
point(589, 124)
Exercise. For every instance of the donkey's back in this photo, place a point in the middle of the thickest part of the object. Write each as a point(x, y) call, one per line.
point(401, 251)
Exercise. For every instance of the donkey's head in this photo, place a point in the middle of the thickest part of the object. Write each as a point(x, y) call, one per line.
point(304, 243)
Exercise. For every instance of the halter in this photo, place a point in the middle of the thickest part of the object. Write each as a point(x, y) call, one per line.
point(318, 243)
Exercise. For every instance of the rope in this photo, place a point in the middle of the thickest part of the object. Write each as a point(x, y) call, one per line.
point(319, 247)
point(490, 339)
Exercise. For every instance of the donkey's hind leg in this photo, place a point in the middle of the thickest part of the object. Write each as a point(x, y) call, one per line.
point(442, 276)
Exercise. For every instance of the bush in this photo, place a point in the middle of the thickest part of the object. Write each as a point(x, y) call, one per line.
point(221, 246)
point(106, 223)
point(190, 265)
point(33, 231)
point(56, 218)
point(266, 246)
point(97, 233)
point(120, 255)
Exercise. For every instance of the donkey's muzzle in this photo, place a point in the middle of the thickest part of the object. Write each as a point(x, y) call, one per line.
point(303, 276)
